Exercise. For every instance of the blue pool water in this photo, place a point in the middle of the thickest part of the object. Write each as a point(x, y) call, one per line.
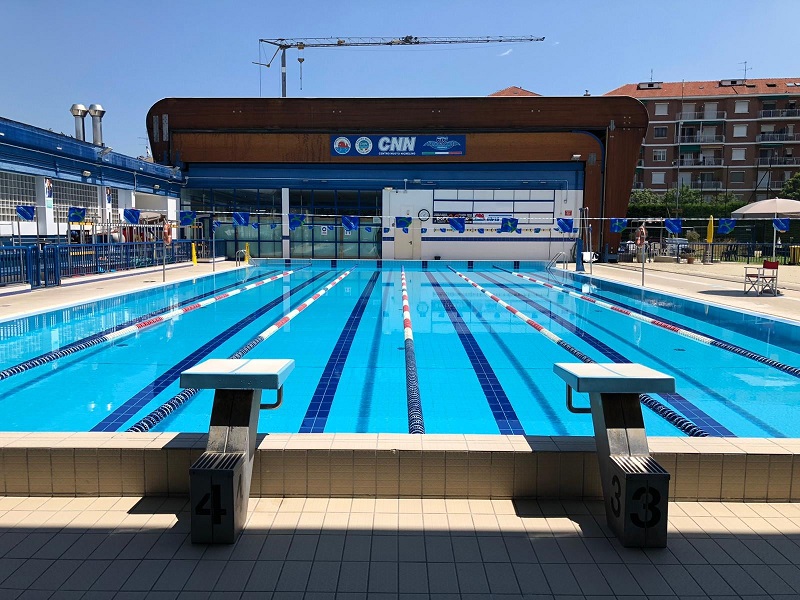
point(481, 369)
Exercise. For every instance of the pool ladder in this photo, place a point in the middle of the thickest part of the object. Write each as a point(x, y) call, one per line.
point(554, 261)
point(239, 256)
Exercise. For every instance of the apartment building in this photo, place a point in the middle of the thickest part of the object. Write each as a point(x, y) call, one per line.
point(737, 136)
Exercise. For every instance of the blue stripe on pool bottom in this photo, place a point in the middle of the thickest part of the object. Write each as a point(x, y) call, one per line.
point(689, 410)
point(772, 431)
point(320, 407)
point(129, 408)
point(504, 415)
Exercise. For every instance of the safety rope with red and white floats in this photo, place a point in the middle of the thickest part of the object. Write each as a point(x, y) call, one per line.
point(416, 424)
point(171, 405)
point(692, 335)
point(675, 419)
point(95, 340)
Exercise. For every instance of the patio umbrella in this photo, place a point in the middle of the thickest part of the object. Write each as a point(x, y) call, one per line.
point(710, 230)
point(769, 209)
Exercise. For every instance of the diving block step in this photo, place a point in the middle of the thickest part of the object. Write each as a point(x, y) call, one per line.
point(219, 481)
point(635, 486)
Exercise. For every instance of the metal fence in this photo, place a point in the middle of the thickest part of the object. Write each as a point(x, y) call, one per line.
point(53, 263)
point(744, 252)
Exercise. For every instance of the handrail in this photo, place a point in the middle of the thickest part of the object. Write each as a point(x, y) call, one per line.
point(554, 260)
point(236, 256)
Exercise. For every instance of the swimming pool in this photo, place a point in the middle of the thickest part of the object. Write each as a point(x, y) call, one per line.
point(115, 364)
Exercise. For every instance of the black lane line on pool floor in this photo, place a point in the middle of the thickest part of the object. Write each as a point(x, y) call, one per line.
point(129, 408)
point(504, 415)
point(521, 370)
point(715, 341)
point(772, 431)
point(98, 338)
point(373, 354)
point(320, 406)
point(687, 408)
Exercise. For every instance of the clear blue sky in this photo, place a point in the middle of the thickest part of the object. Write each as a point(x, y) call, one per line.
point(128, 55)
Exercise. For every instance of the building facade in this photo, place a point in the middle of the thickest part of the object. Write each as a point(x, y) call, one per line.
point(735, 136)
point(404, 167)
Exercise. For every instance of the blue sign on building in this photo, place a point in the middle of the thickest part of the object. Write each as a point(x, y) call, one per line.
point(398, 145)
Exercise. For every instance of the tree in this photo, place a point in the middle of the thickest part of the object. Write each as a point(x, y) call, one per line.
point(687, 196)
point(791, 189)
point(645, 197)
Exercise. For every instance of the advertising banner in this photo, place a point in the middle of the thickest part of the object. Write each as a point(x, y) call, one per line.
point(398, 145)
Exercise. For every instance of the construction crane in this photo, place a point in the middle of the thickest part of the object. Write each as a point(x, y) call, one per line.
point(282, 45)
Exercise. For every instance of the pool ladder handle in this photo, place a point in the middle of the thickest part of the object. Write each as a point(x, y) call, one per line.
point(239, 258)
point(635, 486)
point(275, 404)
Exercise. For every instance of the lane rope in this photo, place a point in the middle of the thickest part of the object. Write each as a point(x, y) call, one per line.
point(678, 421)
point(144, 322)
point(416, 423)
point(171, 405)
point(693, 335)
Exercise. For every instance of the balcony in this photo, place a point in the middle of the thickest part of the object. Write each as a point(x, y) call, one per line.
point(699, 162)
point(640, 162)
point(772, 184)
point(778, 137)
point(703, 115)
point(638, 185)
point(775, 161)
point(784, 113)
point(701, 139)
point(706, 185)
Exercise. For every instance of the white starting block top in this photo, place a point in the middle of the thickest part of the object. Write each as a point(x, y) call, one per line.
point(620, 378)
point(238, 374)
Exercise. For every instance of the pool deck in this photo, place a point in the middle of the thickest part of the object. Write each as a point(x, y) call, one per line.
point(105, 543)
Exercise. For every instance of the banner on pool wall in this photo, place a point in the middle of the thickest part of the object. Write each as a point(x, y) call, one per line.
point(398, 145)
point(76, 214)
point(25, 212)
point(617, 225)
point(131, 215)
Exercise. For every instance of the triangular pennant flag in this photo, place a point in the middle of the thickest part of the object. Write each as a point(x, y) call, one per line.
point(241, 218)
point(442, 229)
point(254, 225)
point(424, 230)
point(273, 225)
point(507, 225)
point(457, 223)
point(368, 229)
point(187, 217)
point(405, 229)
point(726, 225)
point(618, 225)
point(76, 214)
point(296, 221)
point(537, 229)
point(26, 213)
point(673, 225)
point(480, 229)
point(519, 230)
point(781, 225)
point(401, 222)
point(350, 223)
point(385, 230)
point(215, 225)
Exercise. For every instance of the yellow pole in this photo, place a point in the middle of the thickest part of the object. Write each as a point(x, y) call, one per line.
point(194, 254)
point(247, 253)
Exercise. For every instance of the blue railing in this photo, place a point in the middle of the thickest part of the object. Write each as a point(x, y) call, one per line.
point(56, 262)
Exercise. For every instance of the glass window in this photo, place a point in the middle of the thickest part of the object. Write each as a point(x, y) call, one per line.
point(740, 131)
point(658, 178)
point(659, 132)
point(738, 154)
point(662, 108)
point(737, 177)
point(659, 155)
point(742, 106)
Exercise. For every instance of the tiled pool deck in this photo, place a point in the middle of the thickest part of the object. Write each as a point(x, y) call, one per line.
point(390, 516)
